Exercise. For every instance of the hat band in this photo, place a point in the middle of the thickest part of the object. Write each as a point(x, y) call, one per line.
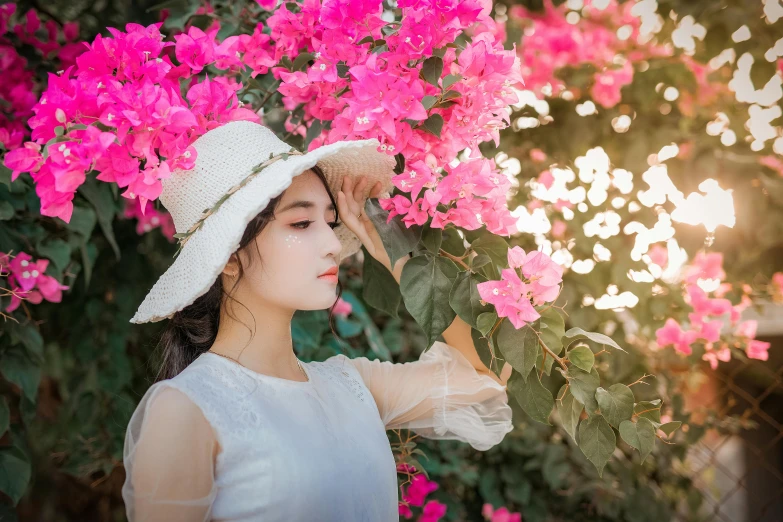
point(182, 238)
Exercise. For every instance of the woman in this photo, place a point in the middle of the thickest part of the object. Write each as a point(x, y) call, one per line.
point(237, 428)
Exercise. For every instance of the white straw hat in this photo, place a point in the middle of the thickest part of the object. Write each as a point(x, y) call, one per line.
point(240, 167)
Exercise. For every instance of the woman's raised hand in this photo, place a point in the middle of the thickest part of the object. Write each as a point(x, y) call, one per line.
point(350, 206)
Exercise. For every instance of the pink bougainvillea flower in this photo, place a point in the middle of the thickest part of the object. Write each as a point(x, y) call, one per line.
point(705, 266)
point(659, 255)
point(27, 280)
point(713, 356)
point(195, 49)
point(758, 350)
point(23, 159)
point(418, 490)
point(433, 511)
point(342, 308)
point(672, 334)
point(607, 85)
point(499, 515)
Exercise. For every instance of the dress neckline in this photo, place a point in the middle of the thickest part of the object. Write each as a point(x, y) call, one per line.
point(263, 376)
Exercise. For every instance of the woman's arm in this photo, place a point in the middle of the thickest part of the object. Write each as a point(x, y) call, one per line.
point(169, 460)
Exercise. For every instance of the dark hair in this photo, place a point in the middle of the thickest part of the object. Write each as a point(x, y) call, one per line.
point(192, 330)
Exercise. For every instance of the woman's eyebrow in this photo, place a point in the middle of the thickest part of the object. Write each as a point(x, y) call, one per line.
point(303, 204)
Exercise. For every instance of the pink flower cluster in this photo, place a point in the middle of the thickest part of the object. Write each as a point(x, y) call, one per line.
point(608, 38)
point(551, 43)
point(27, 280)
point(499, 515)
point(149, 219)
point(367, 82)
point(705, 323)
point(514, 296)
point(119, 111)
point(17, 90)
point(416, 494)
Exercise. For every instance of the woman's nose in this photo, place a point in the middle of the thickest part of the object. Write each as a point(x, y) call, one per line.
point(333, 245)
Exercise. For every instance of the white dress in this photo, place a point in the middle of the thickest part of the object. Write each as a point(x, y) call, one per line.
point(298, 451)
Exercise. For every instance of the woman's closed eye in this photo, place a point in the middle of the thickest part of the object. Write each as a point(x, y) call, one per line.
point(305, 224)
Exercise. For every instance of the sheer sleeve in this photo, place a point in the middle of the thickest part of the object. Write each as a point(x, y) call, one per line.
point(169, 455)
point(440, 396)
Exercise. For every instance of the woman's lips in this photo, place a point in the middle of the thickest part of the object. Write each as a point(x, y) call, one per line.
point(332, 278)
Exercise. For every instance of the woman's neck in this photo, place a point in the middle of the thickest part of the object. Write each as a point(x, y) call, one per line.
point(263, 345)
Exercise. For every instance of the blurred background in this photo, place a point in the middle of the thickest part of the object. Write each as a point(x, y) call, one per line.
point(646, 155)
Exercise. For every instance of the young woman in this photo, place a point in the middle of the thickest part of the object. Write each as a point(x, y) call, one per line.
point(237, 428)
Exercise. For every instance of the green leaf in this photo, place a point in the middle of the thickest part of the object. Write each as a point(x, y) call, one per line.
point(479, 260)
point(670, 427)
point(379, 288)
point(433, 125)
point(597, 441)
point(569, 409)
point(371, 331)
point(5, 416)
point(398, 240)
point(486, 321)
point(582, 357)
point(583, 387)
point(496, 248)
point(451, 79)
point(431, 238)
point(180, 12)
point(30, 338)
point(6, 211)
point(553, 330)
point(100, 197)
point(432, 69)
point(21, 371)
point(484, 349)
point(425, 284)
point(5, 175)
point(57, 250)
point(575, 334)
point(83, 221)
point(429, 101)
point(464, 299)
point(531, 395)
point(519, 347)
point(616, 403)
point(301, 61)
point(15, 473)
point(650, 410)
point(639, 435)
point(313, 131)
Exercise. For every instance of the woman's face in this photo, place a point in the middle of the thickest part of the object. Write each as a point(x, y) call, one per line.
point(296, 247)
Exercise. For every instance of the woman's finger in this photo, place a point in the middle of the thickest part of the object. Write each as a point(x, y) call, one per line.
point(359, 188)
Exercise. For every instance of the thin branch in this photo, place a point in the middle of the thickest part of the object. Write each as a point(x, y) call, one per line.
point(554, 356)
point(640, 380)
point(453, 258)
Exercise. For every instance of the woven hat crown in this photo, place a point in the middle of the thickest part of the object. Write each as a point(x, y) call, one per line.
point(226, 155)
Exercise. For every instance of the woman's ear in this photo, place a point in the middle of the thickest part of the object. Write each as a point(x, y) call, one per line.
point(232, 267)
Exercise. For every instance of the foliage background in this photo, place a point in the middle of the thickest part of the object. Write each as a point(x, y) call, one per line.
point(73, 371)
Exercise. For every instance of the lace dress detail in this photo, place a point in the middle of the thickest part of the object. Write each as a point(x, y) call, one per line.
point(297, 450)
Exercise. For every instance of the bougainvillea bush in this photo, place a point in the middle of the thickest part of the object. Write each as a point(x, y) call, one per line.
point(492, 202)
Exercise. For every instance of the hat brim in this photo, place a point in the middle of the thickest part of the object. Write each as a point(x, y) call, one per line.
point(203, 257)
